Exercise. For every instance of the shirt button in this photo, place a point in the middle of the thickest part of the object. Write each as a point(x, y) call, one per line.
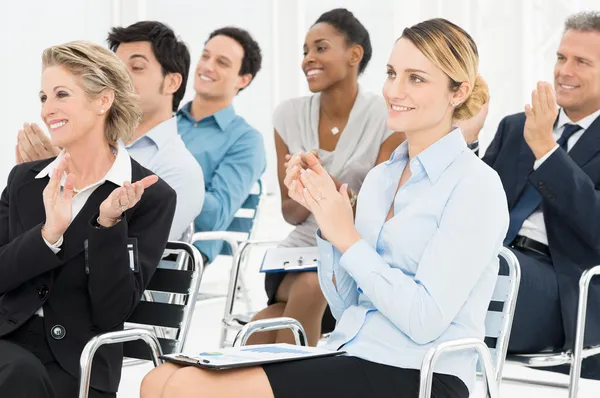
point(58, 332)
point(195, 124)
point(416, 162)
point(43, 292)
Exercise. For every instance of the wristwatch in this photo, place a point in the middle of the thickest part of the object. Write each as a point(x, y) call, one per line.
point(474, 146)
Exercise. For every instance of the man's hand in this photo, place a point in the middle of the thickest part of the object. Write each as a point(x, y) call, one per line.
point(541, 116)
point(34, 144)
point(471, 127)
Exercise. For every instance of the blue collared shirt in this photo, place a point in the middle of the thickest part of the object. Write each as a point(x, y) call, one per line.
point(163, 152)
point(427, 275)
point(232, 156)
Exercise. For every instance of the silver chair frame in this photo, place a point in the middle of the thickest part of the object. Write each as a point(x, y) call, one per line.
point(492, 370)
point(149, 337)
point(572, 357)
point(240, 259)
point(230, 238)
point(267, 325)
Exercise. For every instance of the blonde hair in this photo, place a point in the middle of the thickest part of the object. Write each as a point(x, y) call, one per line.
point(99, 69)
point(452, 50)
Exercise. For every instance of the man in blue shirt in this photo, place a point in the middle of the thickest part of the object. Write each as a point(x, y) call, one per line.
point(159, 64)
point(230, 151)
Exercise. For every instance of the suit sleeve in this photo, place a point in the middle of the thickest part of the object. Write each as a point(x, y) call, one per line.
point(114, 289)
point(26, 256)
point(571, 193)
point(491, 154)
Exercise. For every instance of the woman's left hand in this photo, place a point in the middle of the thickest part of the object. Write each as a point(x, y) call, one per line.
point(331, 207)
point(122, 199)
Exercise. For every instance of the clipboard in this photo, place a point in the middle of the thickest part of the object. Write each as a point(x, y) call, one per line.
point(248, 356)
point(290, 259)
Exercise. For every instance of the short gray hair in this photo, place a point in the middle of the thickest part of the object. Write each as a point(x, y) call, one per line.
point(586, 21)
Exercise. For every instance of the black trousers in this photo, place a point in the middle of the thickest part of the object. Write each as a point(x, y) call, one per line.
point(538, 324)
point(28, 368)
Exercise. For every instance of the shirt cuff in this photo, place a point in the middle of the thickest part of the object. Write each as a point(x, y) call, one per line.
point(541, 160)
point(330, 259)
point(355, 260)
point(54, 247)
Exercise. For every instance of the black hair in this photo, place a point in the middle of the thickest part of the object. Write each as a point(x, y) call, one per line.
point(252, 55)
point(347, 24)
point(171, 53)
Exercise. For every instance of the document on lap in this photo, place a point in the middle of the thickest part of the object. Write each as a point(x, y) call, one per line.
point(247, 356)
point(290, 259)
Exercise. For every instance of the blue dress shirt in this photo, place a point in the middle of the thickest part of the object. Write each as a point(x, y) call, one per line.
point(427, 275)
point(162, 151)
point(232, 156)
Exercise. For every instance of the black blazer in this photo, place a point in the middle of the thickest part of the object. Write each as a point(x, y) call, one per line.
point(570, 188)
point(80, 298)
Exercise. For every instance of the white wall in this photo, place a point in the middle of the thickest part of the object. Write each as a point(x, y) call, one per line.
point(516, 38)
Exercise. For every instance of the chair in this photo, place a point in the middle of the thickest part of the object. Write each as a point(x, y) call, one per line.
point(183, 281)
point(573, 357)
point(240, 229)
point(491, 351)
point(231, 321)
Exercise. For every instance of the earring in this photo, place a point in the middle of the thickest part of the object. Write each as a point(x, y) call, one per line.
point(452, 104)
point(101, 111)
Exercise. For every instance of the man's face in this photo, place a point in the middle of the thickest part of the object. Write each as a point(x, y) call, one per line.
point(147, 75)
point(218, 70)
point(577, 73)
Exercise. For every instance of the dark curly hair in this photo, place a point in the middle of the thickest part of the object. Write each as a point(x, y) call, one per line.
point(252, 55)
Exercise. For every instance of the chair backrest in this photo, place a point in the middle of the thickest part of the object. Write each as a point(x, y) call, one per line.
point(243, 222)
point(498, 321)
point(181, 281)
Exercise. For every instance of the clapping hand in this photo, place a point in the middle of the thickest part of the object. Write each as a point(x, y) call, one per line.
point(122, 199)
point(314, 189)
point(33, 144)
point(299, 159)
point(540, 118)
point(58, 202)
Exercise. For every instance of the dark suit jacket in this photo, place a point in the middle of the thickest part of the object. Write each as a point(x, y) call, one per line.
point(83, 299)
point(570, 188)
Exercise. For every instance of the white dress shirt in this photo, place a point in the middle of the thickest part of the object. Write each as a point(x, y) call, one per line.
point(119, 172)
point(534, 227)
point(162, 151)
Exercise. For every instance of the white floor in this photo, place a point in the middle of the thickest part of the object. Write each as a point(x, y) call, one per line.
point(204, 331)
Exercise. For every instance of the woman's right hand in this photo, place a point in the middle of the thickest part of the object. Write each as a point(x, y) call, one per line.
point(58, 202)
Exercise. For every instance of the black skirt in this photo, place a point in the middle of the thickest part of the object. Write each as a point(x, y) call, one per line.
point(351, 377)
point(273, 281)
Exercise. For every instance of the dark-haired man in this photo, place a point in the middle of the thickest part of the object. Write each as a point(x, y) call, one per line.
point(230, 151)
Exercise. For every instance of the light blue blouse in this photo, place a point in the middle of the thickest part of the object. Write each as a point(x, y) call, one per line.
point(427, 275)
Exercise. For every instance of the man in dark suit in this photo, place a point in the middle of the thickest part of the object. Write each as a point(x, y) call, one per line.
point(549, 163)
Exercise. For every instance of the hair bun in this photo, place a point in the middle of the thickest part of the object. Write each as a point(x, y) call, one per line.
point(479, 95)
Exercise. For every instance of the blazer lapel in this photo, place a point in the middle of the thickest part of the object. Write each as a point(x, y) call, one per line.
point(34, 213)
point(588, 145)
point(525, 162)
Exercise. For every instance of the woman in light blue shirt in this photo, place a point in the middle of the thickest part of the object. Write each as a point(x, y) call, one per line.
point(419, 263)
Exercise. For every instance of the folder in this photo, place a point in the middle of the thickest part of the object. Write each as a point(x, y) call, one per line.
point(252, 355)
point(290, 259)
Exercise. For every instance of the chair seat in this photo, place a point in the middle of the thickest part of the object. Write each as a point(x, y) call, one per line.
point(547, 359)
